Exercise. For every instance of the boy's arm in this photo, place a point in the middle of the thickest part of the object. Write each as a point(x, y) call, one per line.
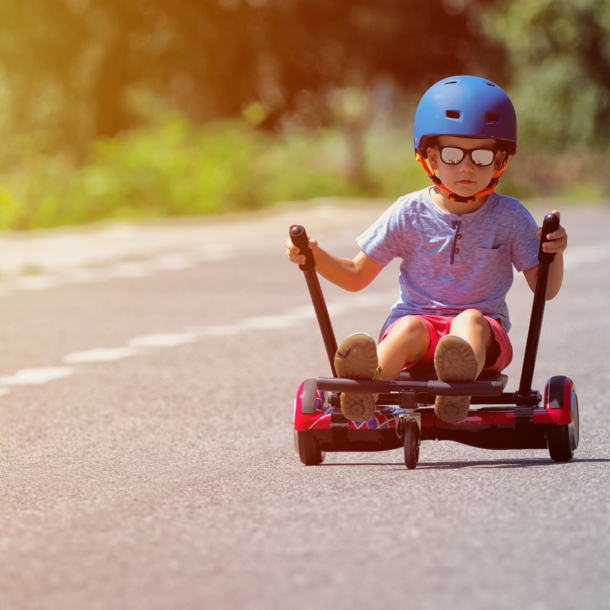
point(558, 242)
point(349, 274)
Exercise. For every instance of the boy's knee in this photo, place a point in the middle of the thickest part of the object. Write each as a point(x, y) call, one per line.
point(410, 325)
point(471, 316)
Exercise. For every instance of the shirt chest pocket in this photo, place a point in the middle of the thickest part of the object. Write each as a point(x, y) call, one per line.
point(487, 267)
point(488, 255)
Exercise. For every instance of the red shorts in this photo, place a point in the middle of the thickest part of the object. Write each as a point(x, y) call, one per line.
point(498, 359)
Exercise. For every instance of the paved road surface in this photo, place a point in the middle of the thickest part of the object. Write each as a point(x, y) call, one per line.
point(148, 378)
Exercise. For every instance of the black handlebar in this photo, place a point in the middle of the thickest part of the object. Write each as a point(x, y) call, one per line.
point(550, 224)
point(299, 238)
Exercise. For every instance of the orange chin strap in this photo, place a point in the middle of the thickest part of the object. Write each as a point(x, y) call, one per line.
point(490, 188)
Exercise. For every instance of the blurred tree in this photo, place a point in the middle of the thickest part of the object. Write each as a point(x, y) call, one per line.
point(560, 56)
point(65, 64)
point(71, 67)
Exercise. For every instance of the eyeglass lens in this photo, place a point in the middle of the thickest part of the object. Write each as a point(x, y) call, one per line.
point(481, 156)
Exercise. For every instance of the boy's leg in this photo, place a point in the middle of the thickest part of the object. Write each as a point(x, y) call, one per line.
point(358, 358)
point(472, 326)
point(406, 342)
point(461, 356)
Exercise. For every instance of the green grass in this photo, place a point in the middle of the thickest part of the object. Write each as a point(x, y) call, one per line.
point(174, 168)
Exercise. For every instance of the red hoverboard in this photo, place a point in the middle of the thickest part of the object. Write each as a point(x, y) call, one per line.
point(404, 413)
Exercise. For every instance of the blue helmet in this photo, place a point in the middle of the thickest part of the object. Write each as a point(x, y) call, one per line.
point(466, 106)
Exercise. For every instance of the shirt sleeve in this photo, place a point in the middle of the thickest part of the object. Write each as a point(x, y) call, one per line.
point(525, 242)
point(383, 240)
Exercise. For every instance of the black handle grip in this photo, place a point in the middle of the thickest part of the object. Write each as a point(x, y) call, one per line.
point(550, 224)
point(299, 238)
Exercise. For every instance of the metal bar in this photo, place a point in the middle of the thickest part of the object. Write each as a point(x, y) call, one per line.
point(438, 388)
point(326, 327)
point(550, 224)
point(299, 238)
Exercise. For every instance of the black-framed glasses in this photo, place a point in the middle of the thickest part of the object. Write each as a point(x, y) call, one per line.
point(452, 155)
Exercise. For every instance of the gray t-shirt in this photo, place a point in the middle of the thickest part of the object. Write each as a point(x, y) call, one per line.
point(451, 263)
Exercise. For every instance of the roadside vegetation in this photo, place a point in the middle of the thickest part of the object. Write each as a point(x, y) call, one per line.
point(119, 111)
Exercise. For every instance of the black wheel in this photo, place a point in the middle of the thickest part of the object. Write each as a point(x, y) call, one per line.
point(410, 441)
point(308, 401)
point(563, 440)
point(309, 449)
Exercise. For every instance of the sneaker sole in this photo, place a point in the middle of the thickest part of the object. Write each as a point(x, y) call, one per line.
point(454, 360)
point(358, 407)
point(356, 358)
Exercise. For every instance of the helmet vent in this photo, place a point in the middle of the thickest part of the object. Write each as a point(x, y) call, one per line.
point(451, 82)
point(453, 114)
point(492, 117)
point(490, 85)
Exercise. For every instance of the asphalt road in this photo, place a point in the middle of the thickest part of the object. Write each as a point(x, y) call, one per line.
point(147, 457)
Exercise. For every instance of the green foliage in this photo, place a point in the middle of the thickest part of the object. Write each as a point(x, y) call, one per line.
point(177, 169)
point(313, 92)
point(173, 168)
point(560, 54)
point(72, 64)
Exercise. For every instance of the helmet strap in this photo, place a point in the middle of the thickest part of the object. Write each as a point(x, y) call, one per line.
point(490, 188)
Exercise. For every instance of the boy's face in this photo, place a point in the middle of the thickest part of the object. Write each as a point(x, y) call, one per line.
point(465, 177)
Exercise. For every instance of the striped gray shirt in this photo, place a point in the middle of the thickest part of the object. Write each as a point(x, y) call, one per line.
point(451, 263)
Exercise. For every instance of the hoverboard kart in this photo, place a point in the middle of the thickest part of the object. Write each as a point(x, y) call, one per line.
point(404, 413)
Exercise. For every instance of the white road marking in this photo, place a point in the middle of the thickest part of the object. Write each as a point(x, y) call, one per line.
point(217, 330)
point(135, 345)
point(36, 376)
point(163, 340)
point(174, 261)
point(102, 354)
point(294, 317)
point(130, 270)
point(82, 276)
point(217, 252)
point(38, 282)
point(575, 256)
point(270, 322)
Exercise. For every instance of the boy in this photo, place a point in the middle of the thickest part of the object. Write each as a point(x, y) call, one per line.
point(458, 241)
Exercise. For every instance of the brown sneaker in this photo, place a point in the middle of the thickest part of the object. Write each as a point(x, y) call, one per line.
point(356, 358)
point(454, 360)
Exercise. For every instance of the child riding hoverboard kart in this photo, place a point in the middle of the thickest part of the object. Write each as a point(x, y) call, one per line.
point(404, 414)
point(466, 128)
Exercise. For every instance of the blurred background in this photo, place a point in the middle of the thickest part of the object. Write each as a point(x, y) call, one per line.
point(126, 109)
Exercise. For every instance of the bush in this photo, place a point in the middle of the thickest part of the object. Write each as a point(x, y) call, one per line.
point(174, 168)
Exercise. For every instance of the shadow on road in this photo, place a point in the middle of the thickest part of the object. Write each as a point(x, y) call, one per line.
point(527, 463)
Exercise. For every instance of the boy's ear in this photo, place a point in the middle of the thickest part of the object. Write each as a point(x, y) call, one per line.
point(433, 157)
point(500, 158)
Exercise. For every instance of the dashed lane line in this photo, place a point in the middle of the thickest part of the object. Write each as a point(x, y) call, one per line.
point(171, 261)
point(36, 376)
point(102, 354)
point(574, 257)
point(163, 340)
point(145, 343)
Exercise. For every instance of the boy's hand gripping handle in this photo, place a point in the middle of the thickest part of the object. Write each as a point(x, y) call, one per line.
point(299, 238)
point(550, 224)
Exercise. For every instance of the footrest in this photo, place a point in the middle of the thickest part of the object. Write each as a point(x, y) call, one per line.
point(438, 388)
